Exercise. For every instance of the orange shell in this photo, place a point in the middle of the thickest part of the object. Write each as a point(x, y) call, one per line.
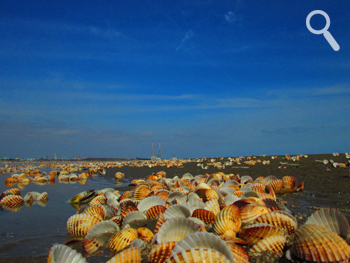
point(100, 199)
point(250, 212)
point(317, 244)
point(196, 255)
point(280, 219)
point(227, 222)
point(160, 253)
point(162, 194)
point(145, 234)
point(273, 244)
point(117, 220)
point(96, 210)
point(206, 216)
point(14, 191)
point(160, 222)
point(238, 193)
point(213, 205)
point(125, 195)
point(131, 255)
point(206, 194)
point(12, 202)
point(276, 184)
point(254, 233)
point(154, 211)
point(290, 182)
point(239, 253)
point(79, 225)
point(122, 239)
point(141, 192)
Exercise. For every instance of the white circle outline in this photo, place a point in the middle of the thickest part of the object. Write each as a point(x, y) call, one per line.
point(318, 12)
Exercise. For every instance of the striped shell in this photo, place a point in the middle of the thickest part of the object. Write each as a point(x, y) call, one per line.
point(228, 221)
point(280, 219)
point(175, 229)
point(134, 216)
point(149, 202)
point(131, 255)
point(195, 255)
point(317, 244)
point(64, 254)
point(141, 192)
point(122, 239)
point(80, 224)
point(100, 199)
point(207, 194)
point(213, 205)
point(12, 191)
point(154, 211)
point(206, 216)
point(177, 210)
point(160, 253)
point(273, 244)
point(331, 219)
point(160, 222)
point(203, 240)
point(239, 253)
point(145, 234)
point(254, 233)
point(194, 204)
point(97, 210)
point(12, 202)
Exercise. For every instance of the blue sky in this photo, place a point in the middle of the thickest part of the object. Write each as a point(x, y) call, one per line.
point(206, 78)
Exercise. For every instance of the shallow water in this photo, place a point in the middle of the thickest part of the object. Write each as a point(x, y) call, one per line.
point(31, 232)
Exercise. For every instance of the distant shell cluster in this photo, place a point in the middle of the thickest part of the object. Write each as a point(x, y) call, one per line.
point(204, 218)
point(12, 201)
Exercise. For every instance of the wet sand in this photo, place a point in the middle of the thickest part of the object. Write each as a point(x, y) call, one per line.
point(325, 186)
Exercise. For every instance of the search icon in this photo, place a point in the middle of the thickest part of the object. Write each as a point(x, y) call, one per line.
point(323, 31)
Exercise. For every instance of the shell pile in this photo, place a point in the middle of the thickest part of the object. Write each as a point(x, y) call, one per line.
point(12, 201)
point(204, 218)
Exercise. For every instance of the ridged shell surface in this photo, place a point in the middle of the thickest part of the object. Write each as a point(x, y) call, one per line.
point(97, 210)
point(160, 253)
point(255, 232)
point(141, 192)
point(196, 255)
point(239, 253)
point(149, 202)
point(154, 211)
point(177, 211)
point(280, 219)
point(122, 239)
point(101, 228)
point(179, 196)
point(134, 216)
point(194, 204)
point(131, 255)
point(145, 234)
point(64, 254)
point(331, 219)
point(228, 221)
point(317, 244)
point(213, 205)
point(175, 229)
point(206, 216)
point(273, 244)
point(10, 202)
point(79, 225)
point(203, 240)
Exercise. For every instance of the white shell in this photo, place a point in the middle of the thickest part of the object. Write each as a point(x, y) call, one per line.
point(139, 243)
point(102, 228)
point(64, 254)
point(203, 240)
point(194, 204)
point(177, 211)
point(133, 216)
point(175, 229)
point(230, 199)
point(149, 202)
point(193, 196)
point(179, 196)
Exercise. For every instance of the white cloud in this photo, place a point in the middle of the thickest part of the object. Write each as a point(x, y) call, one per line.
point(188, 36)
point(231, 17)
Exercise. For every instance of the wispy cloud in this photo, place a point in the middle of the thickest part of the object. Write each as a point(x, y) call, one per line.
point(231, 17)
point(186, 38)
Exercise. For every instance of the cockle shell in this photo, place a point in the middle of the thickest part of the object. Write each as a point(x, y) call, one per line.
point(255, 232)
point(228, 221)
point(125, 195)
point(179, 196)
point(250, 212)
point(149, 202)
point(64, 254)
point(145, 234)
point(160, 253)
point(160, 222)
point(280, 219)
point(315, 243)
point(174, 229)
point(97, 210)
point(131, 255)
point(163, 194)
point(239, 253)
point(83, 197)
point(290, 182)
point(177, 210)
point(139, 243)
point(80, 224)
point(203, 240)
point(98, 235)
point(122, 239)
point(100, 199)
point(206, 216)
point(195, 255)
point(213, 205)
point(273, 244)
point(276, 184)
point(127, 207)
point(133, 216)
point(194, 204)
point(154, 211)
point(12, 191)
point(331, 219)
point(207, 194)
point(117, 220)
point(12, 202)
point(141, 192)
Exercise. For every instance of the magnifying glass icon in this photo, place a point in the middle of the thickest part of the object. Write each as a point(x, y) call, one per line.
point(323, 31)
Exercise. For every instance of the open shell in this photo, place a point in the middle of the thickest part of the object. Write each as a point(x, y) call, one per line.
point(122, 239)
point(149, 202)
point(194, 204)
point(134, 216)
point(64, 254)
point(80, 224)
point(280, 219)
point(175, 229)
point(161, 252)
point(131, 255)
point(195, 255)
point(154, 211)
point(177, 210)
point(228, 221)
point(315, 243)
point(254, 233)
point(274, 244)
